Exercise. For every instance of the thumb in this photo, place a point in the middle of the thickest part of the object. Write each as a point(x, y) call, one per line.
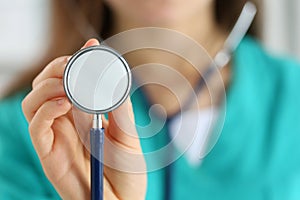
point(91, 42)
point(122, 125)
point(122, 148)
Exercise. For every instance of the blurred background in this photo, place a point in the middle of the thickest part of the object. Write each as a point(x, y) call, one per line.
point(24, 33)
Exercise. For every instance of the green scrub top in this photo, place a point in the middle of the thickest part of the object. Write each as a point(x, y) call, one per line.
point(256, 157)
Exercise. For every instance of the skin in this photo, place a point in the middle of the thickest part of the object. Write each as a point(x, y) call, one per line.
point(195, 19)
point(55, 139)
point(49, 115)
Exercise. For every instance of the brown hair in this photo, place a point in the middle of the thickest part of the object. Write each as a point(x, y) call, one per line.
point(227, 12)
point(67, 37)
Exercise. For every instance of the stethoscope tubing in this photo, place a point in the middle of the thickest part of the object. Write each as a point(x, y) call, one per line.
point(221, 59)
point(96, 163)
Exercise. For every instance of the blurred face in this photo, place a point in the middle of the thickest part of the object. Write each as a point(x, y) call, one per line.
point(194, 18)
point(160, 12)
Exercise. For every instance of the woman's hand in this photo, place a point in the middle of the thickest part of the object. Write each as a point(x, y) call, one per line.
point(64, 158)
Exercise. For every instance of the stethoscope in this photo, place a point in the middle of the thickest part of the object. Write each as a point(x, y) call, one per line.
point(221, 59)
point(97, 80)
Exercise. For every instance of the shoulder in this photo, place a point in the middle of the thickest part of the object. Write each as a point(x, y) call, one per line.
point(273, 83)
point(266, 102)
point(11, 115)
point(251, 50)
point(17, 155)
point(269, 88)
point(12, 101)
point(11, 106)
point(273, 73)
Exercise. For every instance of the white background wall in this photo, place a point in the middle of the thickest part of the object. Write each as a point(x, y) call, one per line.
point(23, 32)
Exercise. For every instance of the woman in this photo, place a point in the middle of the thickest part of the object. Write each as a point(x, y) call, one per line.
point(256, 154)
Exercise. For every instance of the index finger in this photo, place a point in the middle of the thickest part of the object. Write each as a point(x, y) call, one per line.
point(54, 69)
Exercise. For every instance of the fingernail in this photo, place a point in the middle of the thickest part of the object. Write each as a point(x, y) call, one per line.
point(60, 101)
point(68, 58)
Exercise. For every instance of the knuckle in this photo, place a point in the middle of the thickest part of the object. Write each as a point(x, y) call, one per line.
point(59, 123)
point(24, 104)
point(59, 59)
point(45, 110)
point(31, 128)
point(45, 84)
point(34, 82)
point(50, 83)
point(55, 68)
point(58, 63)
